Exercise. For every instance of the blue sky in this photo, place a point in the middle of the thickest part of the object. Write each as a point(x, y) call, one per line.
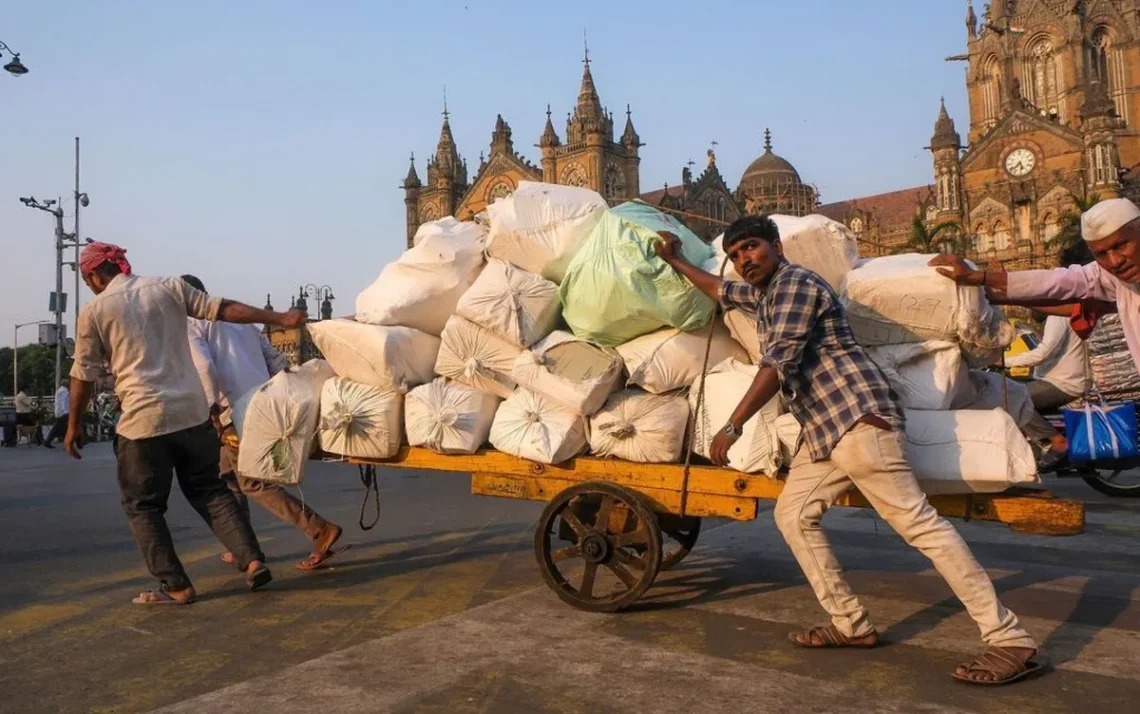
point(260, 145)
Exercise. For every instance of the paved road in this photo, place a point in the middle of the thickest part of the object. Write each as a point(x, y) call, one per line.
point(439, 609)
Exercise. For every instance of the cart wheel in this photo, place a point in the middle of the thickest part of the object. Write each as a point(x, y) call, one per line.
point(598, 546)
point(679, 537)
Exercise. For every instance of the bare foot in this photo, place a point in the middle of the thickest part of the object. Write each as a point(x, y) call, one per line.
point(228, 558)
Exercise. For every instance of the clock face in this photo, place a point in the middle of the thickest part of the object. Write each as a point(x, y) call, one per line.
point(1020, 162)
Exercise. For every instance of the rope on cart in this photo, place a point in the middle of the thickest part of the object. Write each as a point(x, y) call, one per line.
point(371, 485)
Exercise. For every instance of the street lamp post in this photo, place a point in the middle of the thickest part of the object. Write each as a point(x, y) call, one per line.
point(16, 354)
point(323, 295)
point(15, 67)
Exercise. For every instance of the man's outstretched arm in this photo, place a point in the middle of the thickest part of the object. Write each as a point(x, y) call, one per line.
point(668, 248)
point(239, 312)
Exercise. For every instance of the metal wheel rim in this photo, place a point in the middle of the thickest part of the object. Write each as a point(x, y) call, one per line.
point(678, 542)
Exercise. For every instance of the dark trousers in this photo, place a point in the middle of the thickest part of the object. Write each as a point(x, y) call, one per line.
point(58, 429)
point(147, 468)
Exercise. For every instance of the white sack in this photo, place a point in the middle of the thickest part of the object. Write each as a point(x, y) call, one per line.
point(823, 246)
point(901, 299)
point(473, 356)
point(926, 375)
point(638, 426)
point(984, 392)
point(758, 449)
point(518, 306)
point(449, 417)
point(968, 451)
point(361, 421)
point(713, 265)
point(533, 427)
point(541, 226)
point(746, 332)
point(279, 422)
point(574, 373)
point(379, 356)
point(788, 432)
point(671, 359)
point(421, 289)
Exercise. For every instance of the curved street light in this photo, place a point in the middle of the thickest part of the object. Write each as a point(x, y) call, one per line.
point(323, 293)
point(15, 67)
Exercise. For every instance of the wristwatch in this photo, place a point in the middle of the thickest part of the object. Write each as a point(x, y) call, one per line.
point(731, 431)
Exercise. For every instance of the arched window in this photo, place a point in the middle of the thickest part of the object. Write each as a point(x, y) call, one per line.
point(573, 175)
point(991, 90)
point(1001, 236)
point(1050, 227)
point(931, 212)
point(613, 185)
point(1108, 68)
point(501, 189)
point(857, 225)
point(981, 238)
point(1042, 75)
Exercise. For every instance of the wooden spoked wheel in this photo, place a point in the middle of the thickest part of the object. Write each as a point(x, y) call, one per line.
point(598, 546)
point(680, 534)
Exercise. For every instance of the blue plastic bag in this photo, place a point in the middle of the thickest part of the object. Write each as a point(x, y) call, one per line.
point(1101, 431)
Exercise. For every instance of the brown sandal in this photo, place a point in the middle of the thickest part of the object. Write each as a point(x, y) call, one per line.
point(830, 637)
point(1008, 667)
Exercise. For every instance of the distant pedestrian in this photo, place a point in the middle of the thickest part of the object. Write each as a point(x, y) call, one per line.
point(232, 360)
point(62, 407)
point(137, 325)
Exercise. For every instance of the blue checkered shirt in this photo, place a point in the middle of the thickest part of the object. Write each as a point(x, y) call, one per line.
point(826, 379)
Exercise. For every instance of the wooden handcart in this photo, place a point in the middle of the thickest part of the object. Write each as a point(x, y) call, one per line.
point(610, 526)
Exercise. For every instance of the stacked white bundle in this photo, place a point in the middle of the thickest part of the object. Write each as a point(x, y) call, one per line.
point(360, 421)
point(422, 288)
point(926, 375)
point(541, 226)
point(671, 359)
point(758, 448)
point(641, 427)
point(531, 426)
point(389, 357)
point(473, 356)
point(278, 421)
point(746, 332)
point(518, 306)
point(449, 417)
point(574, 373)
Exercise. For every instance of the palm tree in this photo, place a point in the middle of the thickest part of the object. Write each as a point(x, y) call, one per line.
point(932, 240)
point(1070, 231)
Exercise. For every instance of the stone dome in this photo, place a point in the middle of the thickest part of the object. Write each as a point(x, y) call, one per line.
point(769, 168)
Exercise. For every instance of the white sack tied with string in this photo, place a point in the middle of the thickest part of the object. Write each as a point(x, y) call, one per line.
point(379, 356)
point(421, 288)
point(448, 417)
point(531, 426)
point(541, 226)
point(671, 359)
point(515, 305)
point(641, 427)
point(278, 423)
point(477, 358)
point(574, 373)
point(758, 448)
point(360, 421)
point(746, 331)
point(984, 392)
point(926, 375)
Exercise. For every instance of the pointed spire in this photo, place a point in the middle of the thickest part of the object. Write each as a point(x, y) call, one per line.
point(268, 303)
point(549, 136)
point(945, 135)
point(446, 153)
point(629, 137)
point(501, 137)
point(412, 180)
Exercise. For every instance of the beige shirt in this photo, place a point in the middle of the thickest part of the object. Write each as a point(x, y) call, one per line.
point(23, 404)
point(138, 326)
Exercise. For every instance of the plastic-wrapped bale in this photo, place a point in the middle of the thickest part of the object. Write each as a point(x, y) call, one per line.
point(473, 356)
point(617, 289)
point(541, 226)
point(671, 359)
point(823, 246)
point(969, 451)
point(638, 426)
point(449, 417)
point(278, 423)
point(531, 426)
point(900, 299)
point(758, 449)
point(360, 421)
point(518, 306)
point(984, 392)
point(422, 288)
point(926, 375)
point(574, 373)
point(746, 332)
point(379, 356)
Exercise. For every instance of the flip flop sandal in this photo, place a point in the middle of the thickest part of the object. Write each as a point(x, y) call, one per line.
point(259, 578)
point(160, 597)
point(830, 638)
point(318, 560)
point(997, 661)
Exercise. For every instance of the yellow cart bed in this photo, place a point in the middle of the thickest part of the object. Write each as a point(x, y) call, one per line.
point(623, 522)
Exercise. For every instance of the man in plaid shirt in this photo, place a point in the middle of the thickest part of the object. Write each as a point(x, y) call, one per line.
point(852, 427)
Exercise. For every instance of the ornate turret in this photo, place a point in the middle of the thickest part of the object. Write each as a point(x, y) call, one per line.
point(971, 20)
point(629, 137)
point(446, 162)
point(589, 118)
point(549, 136)
point(945, 135)
point(412, 180)
point(501, 137)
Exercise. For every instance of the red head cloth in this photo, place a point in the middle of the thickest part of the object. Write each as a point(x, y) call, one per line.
point(96, 253)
